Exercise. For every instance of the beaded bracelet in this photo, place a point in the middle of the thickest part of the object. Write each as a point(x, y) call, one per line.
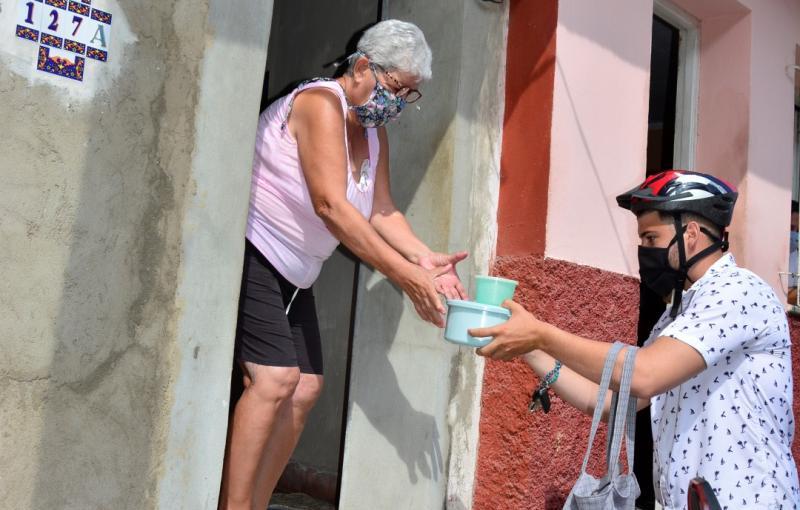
point(541, 397)
point(551, 377)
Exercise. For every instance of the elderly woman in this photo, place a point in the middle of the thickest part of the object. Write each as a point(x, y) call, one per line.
point(320, 177)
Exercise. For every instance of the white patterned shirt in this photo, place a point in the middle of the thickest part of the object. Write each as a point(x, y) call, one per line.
point(732, 424)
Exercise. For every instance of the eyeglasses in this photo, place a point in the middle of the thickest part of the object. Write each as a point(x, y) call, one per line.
point(407, 93)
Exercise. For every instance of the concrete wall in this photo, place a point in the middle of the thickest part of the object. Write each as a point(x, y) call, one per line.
point(124, 199)
point(414, 399)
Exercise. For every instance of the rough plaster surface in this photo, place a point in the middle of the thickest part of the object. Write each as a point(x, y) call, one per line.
point(530, 461)
point(92, 222)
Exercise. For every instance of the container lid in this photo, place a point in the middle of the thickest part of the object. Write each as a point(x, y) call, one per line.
point(472, 305)
point(495, 278)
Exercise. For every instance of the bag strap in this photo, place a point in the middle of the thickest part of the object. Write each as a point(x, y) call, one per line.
point(622, 415)
point(630, 436)
point(605, 379)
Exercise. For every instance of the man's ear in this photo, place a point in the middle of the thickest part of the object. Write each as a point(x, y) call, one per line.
point(692, 233)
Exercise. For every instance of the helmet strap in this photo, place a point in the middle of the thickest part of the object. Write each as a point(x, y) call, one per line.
point(719, 243)
point(680, 279)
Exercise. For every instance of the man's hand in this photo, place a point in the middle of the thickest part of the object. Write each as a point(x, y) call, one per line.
point(448, 283)
point(519, 335)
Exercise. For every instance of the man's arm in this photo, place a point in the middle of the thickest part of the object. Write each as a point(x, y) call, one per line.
point(573, 388)
point(662, 365)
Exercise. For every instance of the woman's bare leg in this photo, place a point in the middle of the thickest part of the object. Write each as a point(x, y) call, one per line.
point(266, 389)
point(286, 431)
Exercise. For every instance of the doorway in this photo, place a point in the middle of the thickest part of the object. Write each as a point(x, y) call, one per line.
point(670, 145)
point(305, 39)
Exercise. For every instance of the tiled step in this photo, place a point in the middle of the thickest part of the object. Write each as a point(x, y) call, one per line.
point(297, 502)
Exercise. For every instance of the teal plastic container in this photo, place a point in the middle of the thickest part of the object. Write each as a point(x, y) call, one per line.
point(465, 315)
point(492, 290)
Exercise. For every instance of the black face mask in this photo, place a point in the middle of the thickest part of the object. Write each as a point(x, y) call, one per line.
point(655, 271)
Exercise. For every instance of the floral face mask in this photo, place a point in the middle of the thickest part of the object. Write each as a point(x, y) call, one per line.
point(381, 107)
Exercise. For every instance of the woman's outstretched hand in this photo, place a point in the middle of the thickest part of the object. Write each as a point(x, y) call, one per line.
point(447, 283)
point(419, 285)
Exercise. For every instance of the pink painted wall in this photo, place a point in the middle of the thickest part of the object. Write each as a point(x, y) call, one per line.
point(599, 130)
point(599, 125)
point(745, 119)
point(776, 33)
point(723, 120)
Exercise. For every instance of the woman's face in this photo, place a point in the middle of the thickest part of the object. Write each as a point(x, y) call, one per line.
point(365, 76)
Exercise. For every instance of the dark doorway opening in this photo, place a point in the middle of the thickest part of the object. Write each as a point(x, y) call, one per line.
point(660, 156)
point(663, 96)
point(306, 37)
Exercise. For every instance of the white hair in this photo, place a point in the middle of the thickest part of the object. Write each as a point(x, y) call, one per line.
point(397, 46)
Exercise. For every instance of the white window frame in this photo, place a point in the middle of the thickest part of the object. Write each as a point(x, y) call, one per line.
point(688, 81)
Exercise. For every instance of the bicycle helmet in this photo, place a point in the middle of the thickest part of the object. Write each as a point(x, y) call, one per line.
point(677, 192)
point(683, 191)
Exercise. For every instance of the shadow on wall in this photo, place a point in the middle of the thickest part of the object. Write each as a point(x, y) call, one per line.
point(453, 138)
point(413, 434)
point(431, 175)
point(105, 410)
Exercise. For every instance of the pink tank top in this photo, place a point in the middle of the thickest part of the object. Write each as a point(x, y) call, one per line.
point(282, 223)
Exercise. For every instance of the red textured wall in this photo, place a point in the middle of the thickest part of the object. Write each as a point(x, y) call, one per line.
point(530, 461)
point(525, 160)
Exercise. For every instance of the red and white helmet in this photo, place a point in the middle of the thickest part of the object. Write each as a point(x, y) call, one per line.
point(678, 191)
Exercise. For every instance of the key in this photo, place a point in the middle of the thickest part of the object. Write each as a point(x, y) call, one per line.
point(545, 399)
point(540, 400)
point(536, 403)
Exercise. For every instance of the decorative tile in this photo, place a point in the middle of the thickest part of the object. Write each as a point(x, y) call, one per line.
point(60, 66)
point(51, 40)
point(61, 4)
point(68, 32)
point(101, 16)
point(79, 8)
point(27, 33)
point(96, 54)
point(74, 46)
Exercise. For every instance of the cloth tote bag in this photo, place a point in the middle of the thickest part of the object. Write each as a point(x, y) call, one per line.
point(615, 490)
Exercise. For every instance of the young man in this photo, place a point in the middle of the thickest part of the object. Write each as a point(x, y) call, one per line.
point(716, 369)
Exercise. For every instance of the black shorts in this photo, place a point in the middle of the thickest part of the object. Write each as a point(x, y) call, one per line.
point(265, 335)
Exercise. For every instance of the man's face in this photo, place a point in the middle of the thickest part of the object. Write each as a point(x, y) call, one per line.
point(656, 233)
point(653, 232)
point(794, 221)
